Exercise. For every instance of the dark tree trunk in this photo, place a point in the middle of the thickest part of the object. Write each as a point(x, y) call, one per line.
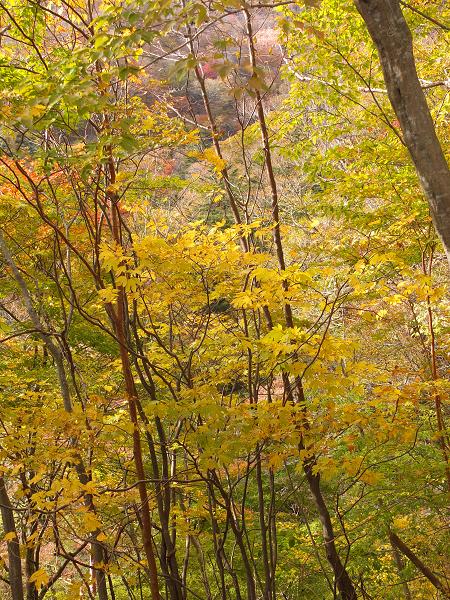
point(14, 562)
point(392, 37)
point(396, 542)
point(343, 582)
point(400, 566)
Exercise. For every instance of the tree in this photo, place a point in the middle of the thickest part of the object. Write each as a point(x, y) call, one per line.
point(392, 37)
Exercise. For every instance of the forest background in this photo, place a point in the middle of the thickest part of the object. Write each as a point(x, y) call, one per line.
point(224, 310)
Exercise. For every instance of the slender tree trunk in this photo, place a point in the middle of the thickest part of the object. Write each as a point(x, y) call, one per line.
point(185, 570)
point(239, 537)
point(9, 527)
point(167, 554)
point(137, 449)
point(30, 568)
point(400, 566)
point(440, 421)
point(343, 581)
point(174, 583)
point(215, 139)
point(273, 538)
point(201, 560)
point(119, 322)
point(426, 571)
point(218, 545)
point(264, 529)
point(387, 27)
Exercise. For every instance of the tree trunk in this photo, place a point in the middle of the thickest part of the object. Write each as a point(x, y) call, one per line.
point(14, 562)
point(400, 566)
point(119, 321)
point(392, 37)
point(342, 578)
point(426, 571)
point(343, 582)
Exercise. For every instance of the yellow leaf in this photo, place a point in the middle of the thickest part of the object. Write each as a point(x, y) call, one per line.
point(371, 477)
point(74, 591)
point(31, 539)
point(108, 294)
point(400, 522)
point(39, 578)
point(210, 156)
point(37, 477)
point(91, 521)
